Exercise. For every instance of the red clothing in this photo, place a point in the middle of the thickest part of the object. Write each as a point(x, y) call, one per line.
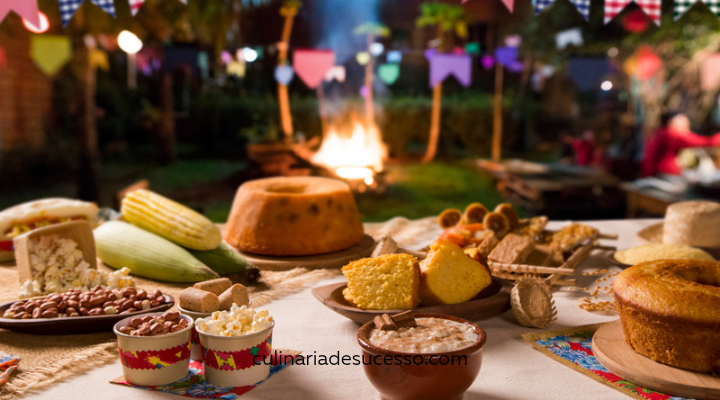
point(663, 147)
point(584, 151)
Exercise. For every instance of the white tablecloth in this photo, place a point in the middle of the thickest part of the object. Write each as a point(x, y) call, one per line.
point(511, 369)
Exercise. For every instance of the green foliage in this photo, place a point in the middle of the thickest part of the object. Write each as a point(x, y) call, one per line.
point(448, 17)
point(372, 28)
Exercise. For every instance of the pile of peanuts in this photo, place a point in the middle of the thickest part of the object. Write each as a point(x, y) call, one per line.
point(75, 303)
point(155, 325)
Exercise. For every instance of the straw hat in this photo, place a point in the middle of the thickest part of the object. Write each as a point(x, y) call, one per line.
point(694, 223)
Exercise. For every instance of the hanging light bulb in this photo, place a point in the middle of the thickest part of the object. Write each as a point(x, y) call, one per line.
point(129, 43)
point(44, 24)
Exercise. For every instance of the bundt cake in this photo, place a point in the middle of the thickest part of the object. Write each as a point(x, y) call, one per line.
point(670, 312)
point(387, 282)
point(449, 276)
point(293, 216)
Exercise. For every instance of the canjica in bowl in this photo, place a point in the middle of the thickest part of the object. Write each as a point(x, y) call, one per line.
point(236, 346)
point(439, 359)
point(154, 360)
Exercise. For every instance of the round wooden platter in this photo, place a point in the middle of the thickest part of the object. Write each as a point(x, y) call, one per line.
point(492, 301)
point(329, 260)
point(616, 355)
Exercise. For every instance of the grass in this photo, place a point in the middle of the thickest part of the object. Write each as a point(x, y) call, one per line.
point(421, 190)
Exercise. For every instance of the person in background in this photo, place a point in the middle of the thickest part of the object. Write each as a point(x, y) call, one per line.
point(585, 149)
point(663, 146)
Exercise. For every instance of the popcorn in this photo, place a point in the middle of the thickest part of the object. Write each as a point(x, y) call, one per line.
point(57, 265)
point(236, 322)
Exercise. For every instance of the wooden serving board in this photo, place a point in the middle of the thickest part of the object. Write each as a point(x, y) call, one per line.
point(618, 357)
point(492, 301)
point(330, 260)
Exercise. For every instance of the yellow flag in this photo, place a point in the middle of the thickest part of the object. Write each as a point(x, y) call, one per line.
point(99, 59)
point(50, 52)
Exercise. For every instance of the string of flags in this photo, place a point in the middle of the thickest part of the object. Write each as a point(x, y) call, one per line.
point(612, 8)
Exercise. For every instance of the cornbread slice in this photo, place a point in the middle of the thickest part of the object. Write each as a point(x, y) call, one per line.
point(383, 283)
point(449, 276)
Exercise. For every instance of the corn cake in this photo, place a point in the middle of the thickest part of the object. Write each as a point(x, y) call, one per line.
point(387, 282)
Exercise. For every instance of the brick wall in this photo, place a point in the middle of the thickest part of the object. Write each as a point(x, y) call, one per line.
point(25, 92)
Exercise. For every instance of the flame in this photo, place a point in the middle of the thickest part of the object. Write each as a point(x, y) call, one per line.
point(359, 156)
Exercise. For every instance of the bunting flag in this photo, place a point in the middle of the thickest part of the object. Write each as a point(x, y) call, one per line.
point(69, 7)
point(50, 52)
point(284, 74)
point(506, 55)
point(569, 37)
point(681, 6)
point(135, 6)
point(336, 73)
point(583, 6)
point(444, 65)
point(651, 7)
point(510, 4)
point(389, 73)
point(312, 65)
point(99, 59)
point(27, 9)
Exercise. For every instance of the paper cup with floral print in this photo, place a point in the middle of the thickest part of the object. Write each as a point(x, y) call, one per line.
point(236, 360)
point(154, 360)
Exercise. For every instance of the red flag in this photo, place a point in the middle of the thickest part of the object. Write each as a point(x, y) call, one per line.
point(27, 9)
point(651, 7)
point(312, 65)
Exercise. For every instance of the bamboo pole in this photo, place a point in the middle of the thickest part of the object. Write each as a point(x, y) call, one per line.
point(369, 103)
point(283, 98)
point(497, 115)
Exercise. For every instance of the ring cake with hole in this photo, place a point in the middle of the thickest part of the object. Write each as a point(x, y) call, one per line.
point(294, 216)
point(669, 312)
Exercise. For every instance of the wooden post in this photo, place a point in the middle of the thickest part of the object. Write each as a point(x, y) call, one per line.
point(89, 181)
point(497, 114)
point(283, 98)
point(369, 104)
point(434, 124)
point(321, 107)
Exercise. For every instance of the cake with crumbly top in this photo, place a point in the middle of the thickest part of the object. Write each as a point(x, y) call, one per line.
point(449, 276)
point(388, 282)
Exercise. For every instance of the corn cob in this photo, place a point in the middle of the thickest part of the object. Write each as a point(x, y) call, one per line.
point(224, 259)
point(120, 244)
point(169, 219)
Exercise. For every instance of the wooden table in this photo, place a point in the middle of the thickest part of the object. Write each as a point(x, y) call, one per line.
point(649, 201)
point(558, 191)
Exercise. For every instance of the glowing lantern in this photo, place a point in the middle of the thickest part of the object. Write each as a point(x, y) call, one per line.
point(129, 43)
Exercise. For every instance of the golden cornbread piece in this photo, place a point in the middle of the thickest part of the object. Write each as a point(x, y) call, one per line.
point(449, 276)
point(388, 282)
point(670, 312)
point(294, 216)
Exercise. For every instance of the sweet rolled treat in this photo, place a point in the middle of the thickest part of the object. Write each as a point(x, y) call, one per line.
point(670, 312)
point(694, 223)
point(294, 216)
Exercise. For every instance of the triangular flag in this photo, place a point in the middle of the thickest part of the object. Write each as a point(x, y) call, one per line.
point(583, 6)
point(336, 73)
point(510, 4)
point(444, 65)
point(651, 7)
point(50, 52)
point(284, 74)
point(681, 6)
point(135, 6)
point(69, 7)
point(99, 59)
point(27, 9)
point(571, 36)
point(389, 73)
point(312, 65)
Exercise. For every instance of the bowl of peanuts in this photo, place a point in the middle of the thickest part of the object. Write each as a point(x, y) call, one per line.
point(154, 348)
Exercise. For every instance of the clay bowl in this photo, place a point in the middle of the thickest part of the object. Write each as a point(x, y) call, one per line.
point(414, 379)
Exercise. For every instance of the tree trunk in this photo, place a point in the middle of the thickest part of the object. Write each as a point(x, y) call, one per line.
point(369, 103)
point(88, 175)
point(168, 150)
point(283, 98)
point(434, 125)
point(497, 115)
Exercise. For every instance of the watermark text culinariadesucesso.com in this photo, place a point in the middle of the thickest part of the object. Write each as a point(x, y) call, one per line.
point(357, 359)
